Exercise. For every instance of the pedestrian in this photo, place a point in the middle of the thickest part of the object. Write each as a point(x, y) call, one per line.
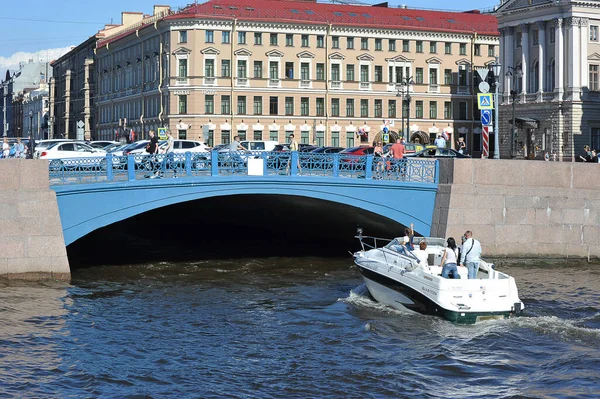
point(19, 149)
point(5, 148)
point(470, 254)
point(461, 145)
point(450, 260)
point(152, 149)
point(293, 144)
point(440, 142)
point(586, 154)
point(169, 155)
point(234, 157)
point(380, 159)
point(397, 151)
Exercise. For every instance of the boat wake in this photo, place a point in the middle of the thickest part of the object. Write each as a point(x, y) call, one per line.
point(360, 298)
point(565, 329)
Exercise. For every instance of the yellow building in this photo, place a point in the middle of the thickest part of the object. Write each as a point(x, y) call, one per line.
point(262, 69)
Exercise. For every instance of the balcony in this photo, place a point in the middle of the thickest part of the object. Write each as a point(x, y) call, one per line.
point(365, 86)
point(336, 84)
point(548, 97)
point(242, 82)
point(530, 98)
point(210, 81)
point(274, 82)
point(182, 81)
point(433, 88)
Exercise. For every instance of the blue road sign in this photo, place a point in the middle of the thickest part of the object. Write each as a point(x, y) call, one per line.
point(486, 117)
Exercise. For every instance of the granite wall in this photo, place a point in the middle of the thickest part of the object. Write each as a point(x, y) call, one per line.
point(31, 238)
point(519, 208)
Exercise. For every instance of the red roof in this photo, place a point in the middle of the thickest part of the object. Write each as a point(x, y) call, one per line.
point(344, 15)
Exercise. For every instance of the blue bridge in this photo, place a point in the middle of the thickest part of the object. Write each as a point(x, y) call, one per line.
point(96, 192)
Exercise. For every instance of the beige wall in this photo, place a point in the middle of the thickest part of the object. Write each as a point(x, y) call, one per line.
point(520, 208)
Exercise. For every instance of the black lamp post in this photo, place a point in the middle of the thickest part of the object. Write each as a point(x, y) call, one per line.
point(496, 68)
point(515, 73)
point(404, 93)
point(30, 123)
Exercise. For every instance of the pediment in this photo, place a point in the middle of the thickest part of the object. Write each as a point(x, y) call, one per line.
point(398, 58)
point(305, 54)
point(519, 4)
point(365, 57)
point(243, 52)
point(433, 60)
point(210, 50)
point(594, 57)
point(179, 51)
point(274, 53)
point(337, 56)
point(463, 61)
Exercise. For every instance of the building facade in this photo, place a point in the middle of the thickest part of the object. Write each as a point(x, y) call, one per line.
point(327, 73)
point(550, 52)
point(35, 107)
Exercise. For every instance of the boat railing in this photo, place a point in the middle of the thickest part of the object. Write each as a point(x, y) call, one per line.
point(373, 240)
point(402, 251)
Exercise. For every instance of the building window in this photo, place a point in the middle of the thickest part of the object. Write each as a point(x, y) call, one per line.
point(335, 107)
point(241, 37)
point(419, 76)
point(273, 135)
point(242, 134)
point(477, 50)
point(392, 45)
point(257, 105)
point(209, 104)
point(447, 109)
point(226, 68)
point(225, 37)
point(595, 133)
point(183, 105)
point(257, 39)
point(378, 112)
point(419, 46)
point(335, 72)
point(304, 39)
point(183, 36)
point(273, 39)
point(241, 69)
point(209, 68)
point(378, 45)
point(419, 109)
point(349, 107)
point(273, 105)
point(462, 111)
point(433, 76)
point(257, 135)
point(405, 46)
point(289, 40)
point(182, 68)
point(350, 43)
point(462, 77)
point(447, 77)
point(304, 71)
point(552, 35)
point(519, 39)
point(289, 106)
point(378, 73)
point(432, 110)
point(209, 36)
point(335, 42)
point(350, 73)
point(289, 70)
point(304, 106)
point(241, 105)
point(447, 48)
point(491, 50)
point(349, 140)
point(273, 70)
point(535, 34)
point(364, 43)
point(225, 137)
point(258, 70)
point(462, 49)
point(433, 47)
point(320, 106)
point(593, 33)
point(364, 73)
point(225, 105)
point(391, 108)
point(593, 83)
point(364, 108)
point(320, 41)
point(320, 71)
point(335, 139)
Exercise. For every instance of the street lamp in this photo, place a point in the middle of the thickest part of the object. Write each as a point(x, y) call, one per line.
point(30, 123)
point(496, 68)
point(404, 93)
point(515, 72)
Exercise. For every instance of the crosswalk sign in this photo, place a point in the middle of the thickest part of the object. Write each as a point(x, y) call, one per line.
point(162, 133)
point(485, 101)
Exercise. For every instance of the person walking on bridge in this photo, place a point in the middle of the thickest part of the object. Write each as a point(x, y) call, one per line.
point(470, 254)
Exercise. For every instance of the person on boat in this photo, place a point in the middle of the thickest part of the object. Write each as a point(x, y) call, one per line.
point(409, 234)
point(471, 254)
point(450, 260)
point(421, 254)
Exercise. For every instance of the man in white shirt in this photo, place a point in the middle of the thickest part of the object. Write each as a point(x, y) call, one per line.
point(440, 142)
point(470, 254)
point(421, 254)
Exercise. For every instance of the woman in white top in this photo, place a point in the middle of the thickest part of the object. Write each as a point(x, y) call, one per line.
point(5, 148)
point(450, 260)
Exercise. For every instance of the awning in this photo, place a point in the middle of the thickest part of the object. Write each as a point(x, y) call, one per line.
point(523, 122)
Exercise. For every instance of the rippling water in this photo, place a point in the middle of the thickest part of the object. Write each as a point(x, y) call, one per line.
point(288, 328)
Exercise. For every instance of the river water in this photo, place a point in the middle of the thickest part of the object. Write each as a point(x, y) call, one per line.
point(288, 328)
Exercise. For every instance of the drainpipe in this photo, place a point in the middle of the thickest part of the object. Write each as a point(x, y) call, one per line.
point(233, 66)
point(142, 80)
point(473, 95)
point(160, 74)
point(327, 107)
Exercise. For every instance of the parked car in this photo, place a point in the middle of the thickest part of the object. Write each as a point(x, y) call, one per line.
point(73, 155)
point(327, 150)
point(409, 148)
point(438, 153)
point(41, 145)
point(103, 143)
point(353, 158)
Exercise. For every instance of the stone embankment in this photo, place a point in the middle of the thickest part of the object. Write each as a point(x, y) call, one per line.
point(521, 208)
point(31, 238)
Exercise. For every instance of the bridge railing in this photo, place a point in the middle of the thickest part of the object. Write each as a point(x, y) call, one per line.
point(240, 163)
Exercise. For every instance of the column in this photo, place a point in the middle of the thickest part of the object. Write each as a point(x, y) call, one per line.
point(87, 108)
point(541, 57)
point(559, 58)
point(573, 58)
point(67, 97)
point(583, 55)
point(508, 51)
point(524, 57)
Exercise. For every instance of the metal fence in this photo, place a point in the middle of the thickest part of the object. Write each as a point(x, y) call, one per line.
point(240, 163)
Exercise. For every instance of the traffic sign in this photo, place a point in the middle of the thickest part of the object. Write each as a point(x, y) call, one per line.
point(162, 133)
point(486, 117)
point(483, 73)
point(485, 101)
point(486, 141)
point(484, 87)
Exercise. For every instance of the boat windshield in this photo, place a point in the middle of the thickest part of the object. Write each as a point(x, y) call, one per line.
point(393, 243)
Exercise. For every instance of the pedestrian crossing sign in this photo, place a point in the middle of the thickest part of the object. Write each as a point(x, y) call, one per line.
point(485, 101)
point(162, 133)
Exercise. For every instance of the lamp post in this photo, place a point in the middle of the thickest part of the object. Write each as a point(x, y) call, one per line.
point(404, 93)
point(515, 73)
point(30, 123)
point(496, 68)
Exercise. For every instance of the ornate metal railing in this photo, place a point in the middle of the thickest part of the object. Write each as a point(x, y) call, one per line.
point(240, 163)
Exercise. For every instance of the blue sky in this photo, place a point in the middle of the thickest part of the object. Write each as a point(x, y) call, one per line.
point(34, 25)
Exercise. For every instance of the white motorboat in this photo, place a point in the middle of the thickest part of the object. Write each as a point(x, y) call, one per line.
point(394, 276)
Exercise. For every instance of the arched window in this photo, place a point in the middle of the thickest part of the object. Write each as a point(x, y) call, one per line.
point(552, 74)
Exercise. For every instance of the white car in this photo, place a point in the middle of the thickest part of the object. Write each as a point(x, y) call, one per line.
point(43, 144)
point(73, 155)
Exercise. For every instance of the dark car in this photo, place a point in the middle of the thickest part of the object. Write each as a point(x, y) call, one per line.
point(306, 147)
point(327, 150)
point(438, 153)
point(353, 158)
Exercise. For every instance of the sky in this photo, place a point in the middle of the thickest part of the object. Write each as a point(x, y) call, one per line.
point(41, 29)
